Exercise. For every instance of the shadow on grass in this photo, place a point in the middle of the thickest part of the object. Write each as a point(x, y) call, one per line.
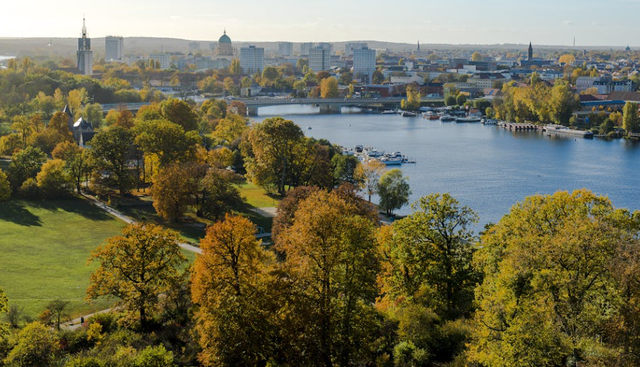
point(15, 211)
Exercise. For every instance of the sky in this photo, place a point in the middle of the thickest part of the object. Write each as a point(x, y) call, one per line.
point(544, 22)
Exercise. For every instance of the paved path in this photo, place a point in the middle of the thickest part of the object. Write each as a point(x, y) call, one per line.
point(130, 220)
point(76, 323)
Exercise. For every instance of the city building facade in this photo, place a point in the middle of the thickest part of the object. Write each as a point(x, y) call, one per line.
point(252, 59)
point(114, 48)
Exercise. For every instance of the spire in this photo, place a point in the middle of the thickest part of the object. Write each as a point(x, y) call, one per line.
point(84, 28)
point(225, 30)
point(418, 45)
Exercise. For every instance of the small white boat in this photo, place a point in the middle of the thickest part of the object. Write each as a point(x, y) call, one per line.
point(392, 161)
point(389, 112)
point(408, 114)
point(490, 122)
point(468, 119)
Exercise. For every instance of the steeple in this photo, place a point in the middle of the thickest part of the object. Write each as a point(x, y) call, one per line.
point(418, 45)
point(84, 28)
point(530, 51)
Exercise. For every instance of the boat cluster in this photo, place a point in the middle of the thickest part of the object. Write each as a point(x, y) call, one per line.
point(366, 154)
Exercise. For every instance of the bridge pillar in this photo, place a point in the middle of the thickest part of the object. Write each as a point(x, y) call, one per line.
point(252, 111)
point(330, 108)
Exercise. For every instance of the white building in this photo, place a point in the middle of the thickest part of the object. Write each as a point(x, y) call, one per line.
point(319, 59)
point(350, 46)
point(305, 48)
point(114, 48)
point(285, 48)
point(252, 59)
point(85, 55)
point(364, 61)
point(163, 59)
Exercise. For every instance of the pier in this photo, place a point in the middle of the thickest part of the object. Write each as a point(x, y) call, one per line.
point(520, 126)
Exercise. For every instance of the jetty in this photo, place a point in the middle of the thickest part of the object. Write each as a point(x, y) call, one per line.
point(519, 126)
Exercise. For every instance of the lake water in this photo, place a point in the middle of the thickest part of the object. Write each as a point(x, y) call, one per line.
point(485, 167)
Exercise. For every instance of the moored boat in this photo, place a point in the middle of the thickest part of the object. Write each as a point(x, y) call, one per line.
point(447, 118)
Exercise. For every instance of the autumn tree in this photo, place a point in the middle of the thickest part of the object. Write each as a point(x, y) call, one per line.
point(53, 180)
point(179, 112)
point(394, 191)
point(331, 261)
point(369, 174)
point(229, 287)
point(218, 195)
point(137, 267)
point(345, 169)
point(630, 119)
point(5, 187)
point(36, 346)
point(413, 98)
point(567, 59)
point(556, 284)
point(166, 140)
point(230, 129)
point(172, 191)
point(23, 126)
point(76, 161)
point(329, 88)
point(476, 56)
point(60, 123)
point(110, 150)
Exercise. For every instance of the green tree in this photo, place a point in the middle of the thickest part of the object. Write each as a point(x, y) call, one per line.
point(235, 68)
point(230, 129)
point(37, 346)
point(110, 150)
point(345, 169)
point(394, 191)
point(329, 88)
point(428, 257)
point(554, 283)
point(59, 310)
point(157, 356)
point(137, 267)
point(172, 190)
point(219, 195)
point(450, 100)
point(166, 140)
point(25, 164)
point(23, 126)
point(461, 99)
point(630, 120)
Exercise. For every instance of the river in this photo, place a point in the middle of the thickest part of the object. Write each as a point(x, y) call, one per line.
point(485, 167)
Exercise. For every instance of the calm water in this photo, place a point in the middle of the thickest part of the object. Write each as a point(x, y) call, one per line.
point(485, 167)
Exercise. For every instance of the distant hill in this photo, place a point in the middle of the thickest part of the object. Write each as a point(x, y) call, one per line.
point(140, 46)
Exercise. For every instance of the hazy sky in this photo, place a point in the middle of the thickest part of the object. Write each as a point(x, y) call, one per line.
point(553, 22)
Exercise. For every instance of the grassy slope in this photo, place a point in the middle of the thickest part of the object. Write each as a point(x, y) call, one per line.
point(45, 246)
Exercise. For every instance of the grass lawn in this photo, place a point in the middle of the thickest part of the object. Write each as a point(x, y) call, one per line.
point(45, 246)
point(256, 196)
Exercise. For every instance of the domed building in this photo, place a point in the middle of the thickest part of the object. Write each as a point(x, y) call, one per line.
point(225, 48)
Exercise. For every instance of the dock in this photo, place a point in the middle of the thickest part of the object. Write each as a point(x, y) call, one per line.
point(515, 126)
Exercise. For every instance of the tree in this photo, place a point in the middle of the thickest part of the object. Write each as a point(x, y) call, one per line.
point(37, 346)
point(179, 112)
point(461, 99)
point(110, 151)
point(427, 257)
point(562, 103)
point(92, 112)
point(23, 126)
point(5, 188)
point(166, 140)
point(271, 152)
point(238, 108)
point(171, 191)
point(25, 164)
point(76, 161)
point(58, 310)
point(270, 73)
point(476, 56)
point(413, 98)
point(557, 284)
point(230, 129)
point(567, 59)
point(630, 120)
point(393, 190)
point(345, 168)
point(137, 267)
point(450, 100)
point(125, 119)
point(369, 174)
point(53, 179)
point(60, 123)
point(228, 285)
point(76, 98)
point(11, 143)
point(378, 77)
point(219, 195)
point(112, 117)
point(331, 262)
point(329, 88)
point(235, 68)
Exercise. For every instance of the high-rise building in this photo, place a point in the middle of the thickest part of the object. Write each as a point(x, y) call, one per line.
point(285, 48)
point(164, 60)
point(305, 48)
point(252, 59)
point(85, 55)
point(350, 46)
point(319, 59)
point(114, 47)
point(364, 62)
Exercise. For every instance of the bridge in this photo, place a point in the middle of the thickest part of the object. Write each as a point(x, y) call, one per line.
point(327, 105)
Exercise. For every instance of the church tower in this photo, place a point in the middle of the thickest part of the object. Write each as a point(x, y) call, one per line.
point(85, 55)
point(530, 52)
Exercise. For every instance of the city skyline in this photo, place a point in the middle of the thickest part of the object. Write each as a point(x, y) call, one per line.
point(432, 22)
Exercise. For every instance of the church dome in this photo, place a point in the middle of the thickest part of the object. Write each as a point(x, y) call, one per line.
point(224, 38)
